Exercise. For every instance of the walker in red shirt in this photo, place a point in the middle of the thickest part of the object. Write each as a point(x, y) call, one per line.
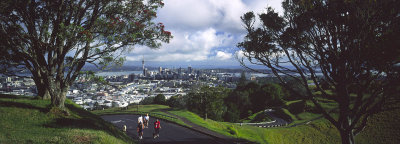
point(157, 127)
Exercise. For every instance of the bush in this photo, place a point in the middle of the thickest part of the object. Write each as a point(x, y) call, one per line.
point(159, 99)
point(147, 100)
point(297, 107)
point(177, 102)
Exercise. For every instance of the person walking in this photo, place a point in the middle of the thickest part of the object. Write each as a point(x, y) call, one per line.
point(140, 130)
point(124, 128)
point(146, 121)
point(140, 119)
point(157, 127)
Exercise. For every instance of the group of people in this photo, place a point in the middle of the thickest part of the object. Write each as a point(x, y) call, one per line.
point(144, 123)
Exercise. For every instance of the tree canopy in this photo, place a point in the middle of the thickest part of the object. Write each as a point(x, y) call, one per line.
point(353, 43)
point(54, 39)
point(159, 99)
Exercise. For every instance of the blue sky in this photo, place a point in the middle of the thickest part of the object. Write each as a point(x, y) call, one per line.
point(205, 32)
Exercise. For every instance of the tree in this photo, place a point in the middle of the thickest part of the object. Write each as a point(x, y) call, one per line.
point(159, 99)
point(91, 77)
point(147, 100)
point(208, 102)
point(353, 42)
point(238, 102)
point(55, 39)
point(177, 102)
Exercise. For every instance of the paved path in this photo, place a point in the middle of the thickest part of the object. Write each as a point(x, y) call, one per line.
point(169, 133)
point(278, 121)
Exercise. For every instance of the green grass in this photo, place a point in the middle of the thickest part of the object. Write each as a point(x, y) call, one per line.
point(383, 125)
point(132, 109)
point(152, 110)
point(310, 112)
point(319, 132)
point(257, 117)
point(290, 102)
point(382, 128)
point(220, 127)
point(26, 120)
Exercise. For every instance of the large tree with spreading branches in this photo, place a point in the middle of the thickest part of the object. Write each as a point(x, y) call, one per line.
point(54, 39)
point(355, 44)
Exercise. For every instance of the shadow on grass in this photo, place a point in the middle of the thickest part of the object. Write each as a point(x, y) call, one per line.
point(21, 105)
point(86, 120)
point(15, 96)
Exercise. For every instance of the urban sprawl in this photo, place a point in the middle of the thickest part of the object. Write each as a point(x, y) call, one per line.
point(122, 90)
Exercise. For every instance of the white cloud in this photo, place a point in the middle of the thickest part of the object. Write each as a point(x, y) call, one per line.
point(203, 30)
point(223, 55)
point(185, 46)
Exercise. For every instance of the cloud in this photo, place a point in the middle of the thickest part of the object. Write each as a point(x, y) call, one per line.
point(197, 46)
point(223, 56)
point(203, 30)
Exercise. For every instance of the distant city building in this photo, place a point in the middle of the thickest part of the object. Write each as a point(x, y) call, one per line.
point(131, 77)
point(144, 71)
point(189, 69)
point(160, 70)
point(180, 71)
point(8, 79)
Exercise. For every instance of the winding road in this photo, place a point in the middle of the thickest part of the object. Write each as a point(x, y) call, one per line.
point(277, 121)
point(169, 133)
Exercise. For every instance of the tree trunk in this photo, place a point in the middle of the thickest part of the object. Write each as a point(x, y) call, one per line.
point(41, 87)
point(58, 97)
point(347, 137)
point(43, 92)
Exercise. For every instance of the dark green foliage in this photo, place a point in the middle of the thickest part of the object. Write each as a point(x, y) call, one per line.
point(297, 107)
point(209, 102)
point(251, 98)
point(177, 101)
point(232, 114)
point(239, 101)
point(159, 99)
point(147, 100)
point(269, 95)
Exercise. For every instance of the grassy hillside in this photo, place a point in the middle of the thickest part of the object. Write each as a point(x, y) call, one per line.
point(317, 132)
point(26, 120)
point(257, 117)
point(382, 128)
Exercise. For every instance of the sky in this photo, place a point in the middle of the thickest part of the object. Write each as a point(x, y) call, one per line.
point(205, 33)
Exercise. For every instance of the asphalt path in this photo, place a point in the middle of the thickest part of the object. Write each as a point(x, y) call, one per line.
point(169, 133)
point(278, 121)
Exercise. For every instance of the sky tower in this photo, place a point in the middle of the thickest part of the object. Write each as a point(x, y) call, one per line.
point(144, 72)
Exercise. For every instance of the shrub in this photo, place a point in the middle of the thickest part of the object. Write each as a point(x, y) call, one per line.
point(232, 130)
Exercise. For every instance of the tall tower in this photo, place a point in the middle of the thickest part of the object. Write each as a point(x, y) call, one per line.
point(144, 71)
